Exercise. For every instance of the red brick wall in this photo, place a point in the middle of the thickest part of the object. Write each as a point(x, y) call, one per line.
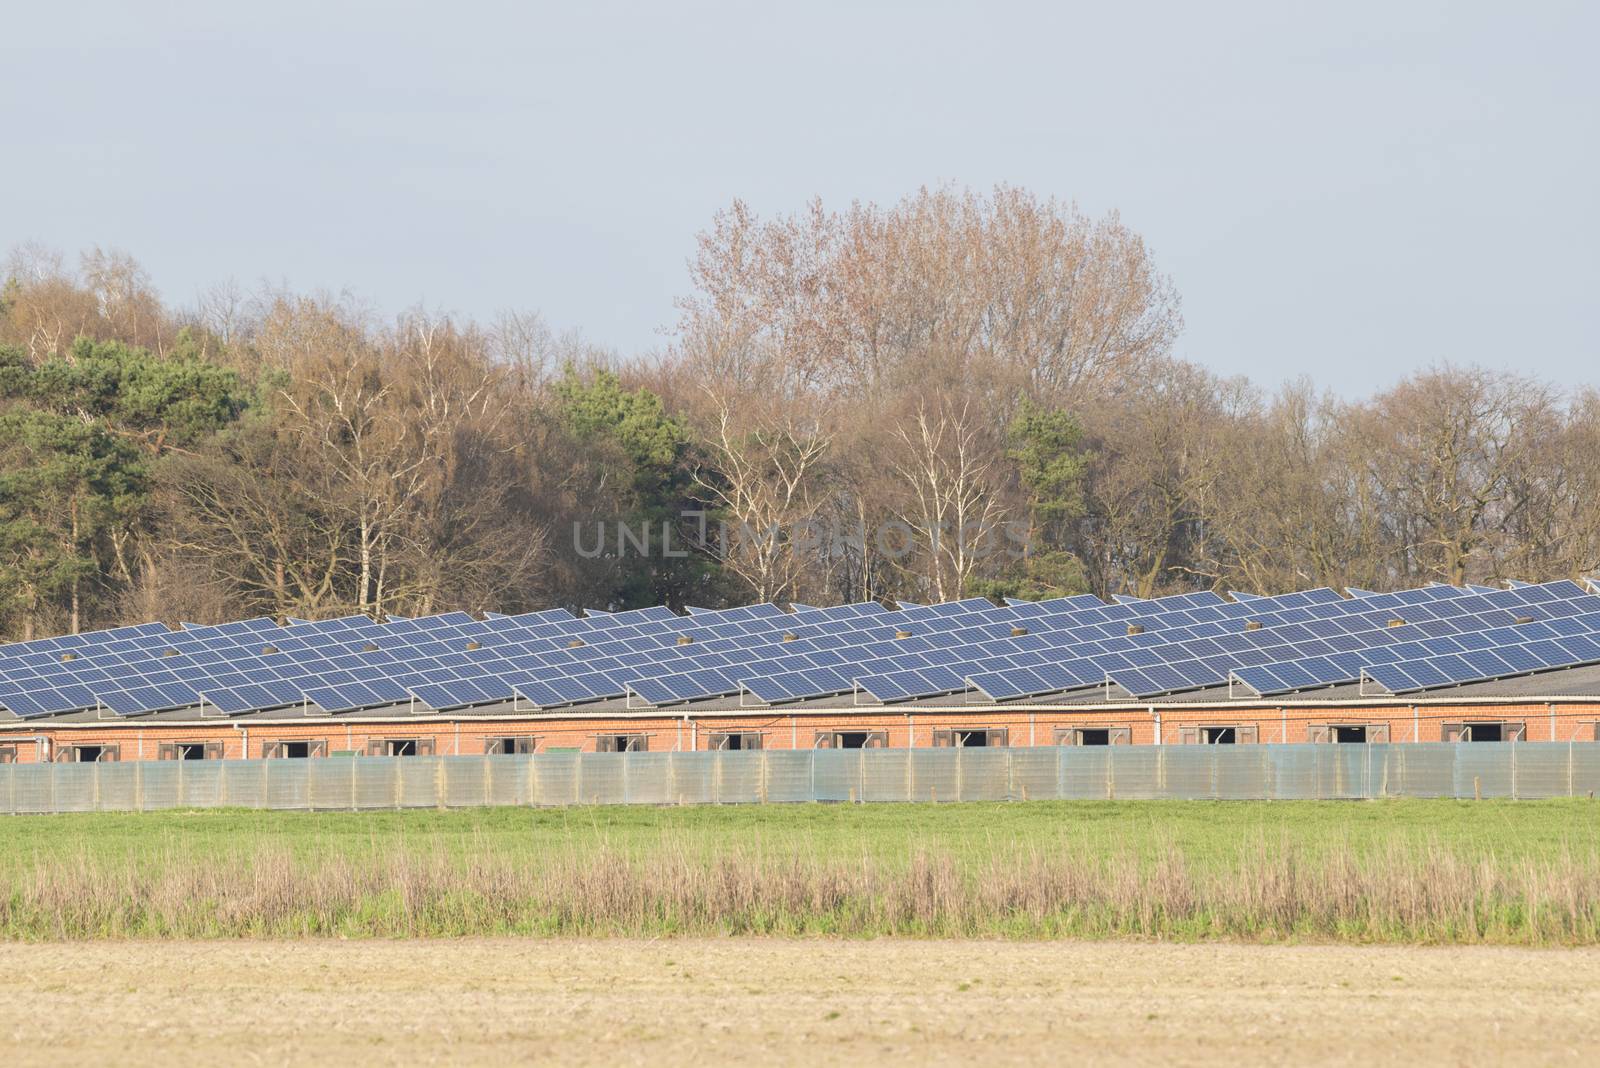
point(799, 730)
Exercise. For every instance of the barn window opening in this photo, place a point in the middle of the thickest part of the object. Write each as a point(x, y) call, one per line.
point(852, 739)
point(510, 746)
point(87, 754)
point(1094, 736)
point(736, 740)
point(969, 738)
point(1484, 732)
point(191, 750)
point(400, 747)
point(295, 748)
point(1350, 735)
point(621, 743)
point(1219, 735)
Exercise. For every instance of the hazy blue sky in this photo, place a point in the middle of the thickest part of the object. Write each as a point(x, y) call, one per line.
point(1348, 190)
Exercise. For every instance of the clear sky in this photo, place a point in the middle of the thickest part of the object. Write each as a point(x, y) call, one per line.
point(1348, 190)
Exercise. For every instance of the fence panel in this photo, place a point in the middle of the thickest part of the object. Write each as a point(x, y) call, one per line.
point(1435, 769)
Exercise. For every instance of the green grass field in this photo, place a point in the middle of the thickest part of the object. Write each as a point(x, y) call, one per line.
point(1408, 870)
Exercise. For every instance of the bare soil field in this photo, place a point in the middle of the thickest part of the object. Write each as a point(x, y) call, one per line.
point(724, 1001)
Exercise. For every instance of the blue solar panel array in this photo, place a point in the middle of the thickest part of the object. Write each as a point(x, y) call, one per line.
point(1262, 646)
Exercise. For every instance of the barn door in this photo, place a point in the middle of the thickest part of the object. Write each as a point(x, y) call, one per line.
point(424, 747)
point(213, 750)
point(1318, 732)
point(824, 740)
point(1245, 735)
point(1120, 736)
point(944, 739)
point(1513, 732)
point(1377, 733)
point(876, 740)
point(167, 751)
point(1188, 735)
point(1452, 732)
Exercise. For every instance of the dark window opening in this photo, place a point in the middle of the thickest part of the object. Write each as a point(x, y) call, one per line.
point(622, 743)
point(402, 747)
point(1219, 735)
point(1093, 736)
point(1485, 731)
point(736, 740)
point(1350, 735)
point(512, 746)
point(297, 749)
point(191, 750)
point(969, 738)
point(8, 754)
point(852, 739)
point(87, 754)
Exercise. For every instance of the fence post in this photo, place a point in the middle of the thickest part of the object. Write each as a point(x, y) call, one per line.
point(761, 781)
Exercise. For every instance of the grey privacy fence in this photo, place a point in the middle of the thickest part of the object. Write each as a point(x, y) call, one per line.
point(1515, 770)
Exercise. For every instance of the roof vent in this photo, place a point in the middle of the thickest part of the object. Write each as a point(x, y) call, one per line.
point(370, 647)
point(1017, 632)
point(790, 636)
point(69, 656)
point(902, 634)
point(268, 649)
point(684, 639)
point(576, 643)
point(1135, 628)
point(1395, 623)
point(474, 645)
point(169, 652)
point(1524, 619)
point(1252, 624)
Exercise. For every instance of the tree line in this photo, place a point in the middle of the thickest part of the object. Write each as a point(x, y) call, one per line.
point(957, 395)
